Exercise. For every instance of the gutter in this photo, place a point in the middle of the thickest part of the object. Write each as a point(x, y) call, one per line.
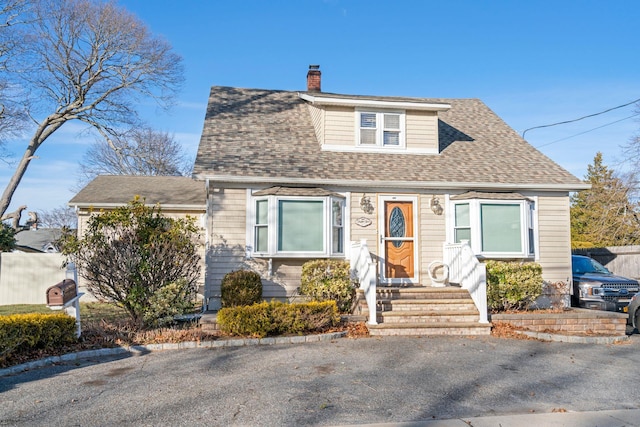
point(172, 206)
point(432, 185)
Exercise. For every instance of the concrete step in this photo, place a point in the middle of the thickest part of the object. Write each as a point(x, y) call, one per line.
point(451, 317)
point(422, 329)
point(427, 304)
point(420, 292)
point(208, 322)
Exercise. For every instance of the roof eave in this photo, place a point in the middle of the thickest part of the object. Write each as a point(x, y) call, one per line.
point(372, 103)
point(439, 185)
point(168, 206)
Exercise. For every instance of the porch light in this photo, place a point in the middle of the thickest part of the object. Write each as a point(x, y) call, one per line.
point(436, 207)
point(365, 204)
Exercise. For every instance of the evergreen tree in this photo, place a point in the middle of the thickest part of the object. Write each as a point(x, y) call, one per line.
point(603, 215)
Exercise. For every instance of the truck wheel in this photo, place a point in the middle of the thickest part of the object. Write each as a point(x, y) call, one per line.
point(636, 320)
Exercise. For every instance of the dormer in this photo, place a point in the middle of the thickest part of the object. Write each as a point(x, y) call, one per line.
point(372, 124)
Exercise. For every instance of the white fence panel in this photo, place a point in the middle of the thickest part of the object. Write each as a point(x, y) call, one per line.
point(25, 277)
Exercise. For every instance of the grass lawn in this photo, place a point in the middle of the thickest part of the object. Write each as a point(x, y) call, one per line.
point(88, 310)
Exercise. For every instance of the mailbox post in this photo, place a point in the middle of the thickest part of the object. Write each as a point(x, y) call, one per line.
point(65, 296)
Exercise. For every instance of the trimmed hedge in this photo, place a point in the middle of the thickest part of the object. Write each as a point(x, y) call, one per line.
point(242, 287)
point(512, 285)
point(328, 280)
point(21, 332)
point(277, 318)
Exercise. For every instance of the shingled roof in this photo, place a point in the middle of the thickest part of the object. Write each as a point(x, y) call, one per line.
point(168, 191)
point(267, 136)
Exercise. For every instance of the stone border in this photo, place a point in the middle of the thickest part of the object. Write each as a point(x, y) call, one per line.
point(557, 337)
point(141, 349)
point(576, 325)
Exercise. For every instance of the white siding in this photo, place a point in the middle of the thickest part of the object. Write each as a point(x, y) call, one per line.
point(25, 277)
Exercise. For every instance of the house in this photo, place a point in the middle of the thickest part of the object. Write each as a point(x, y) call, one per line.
point(290, 176)
point(38, 240)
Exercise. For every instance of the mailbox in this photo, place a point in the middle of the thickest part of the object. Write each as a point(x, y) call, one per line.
point(61, 293)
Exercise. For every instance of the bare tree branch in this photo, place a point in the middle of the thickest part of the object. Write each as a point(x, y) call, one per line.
point(140, 151)
point(89, 61)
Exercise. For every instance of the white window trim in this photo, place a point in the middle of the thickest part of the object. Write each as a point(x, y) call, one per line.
point(476, 226)
point(378, 146)
point(272, 222)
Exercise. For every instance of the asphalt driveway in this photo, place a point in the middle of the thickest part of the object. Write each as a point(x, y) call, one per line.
point(345, 381)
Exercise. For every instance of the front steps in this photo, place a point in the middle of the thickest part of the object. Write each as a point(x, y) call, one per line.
point(423, 311)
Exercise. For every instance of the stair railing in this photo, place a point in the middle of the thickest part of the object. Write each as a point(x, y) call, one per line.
point(363, 270)
point(469, 273)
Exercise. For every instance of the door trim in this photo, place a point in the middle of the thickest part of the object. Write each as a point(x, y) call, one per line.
point(381, 233)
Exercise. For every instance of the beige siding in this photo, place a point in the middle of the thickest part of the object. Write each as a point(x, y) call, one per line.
point(432, 236)
point(317, 117)
point(422, 130)
point(227, 250)
point(339, 126)
point(554, 236)
point(227, 238)
point(370, 232)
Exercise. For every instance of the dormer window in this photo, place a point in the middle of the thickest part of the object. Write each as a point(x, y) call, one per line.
point(380, 129)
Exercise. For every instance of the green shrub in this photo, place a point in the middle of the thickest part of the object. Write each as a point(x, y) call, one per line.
point(167, 302)
point(276, 318)
point(512, 285)
point(20, 332)
point(129, 254)
point(242, 287)
point(328, 280)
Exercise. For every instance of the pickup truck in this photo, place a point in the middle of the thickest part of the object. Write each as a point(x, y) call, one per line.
point(597, 288)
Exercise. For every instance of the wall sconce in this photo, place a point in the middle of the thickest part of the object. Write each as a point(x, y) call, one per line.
point(436, 207)
point(365, 204)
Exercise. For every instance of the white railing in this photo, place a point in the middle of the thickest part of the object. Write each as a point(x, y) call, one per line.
point(363, 269)
point(469, 273)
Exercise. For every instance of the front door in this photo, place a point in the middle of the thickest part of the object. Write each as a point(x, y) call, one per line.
point(398, 243)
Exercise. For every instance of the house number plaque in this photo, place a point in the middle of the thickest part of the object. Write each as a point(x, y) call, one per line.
point(363, 222)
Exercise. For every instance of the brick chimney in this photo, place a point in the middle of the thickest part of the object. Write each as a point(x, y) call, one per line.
point(313, 78)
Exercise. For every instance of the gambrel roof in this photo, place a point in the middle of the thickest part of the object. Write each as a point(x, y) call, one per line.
point(268, 137)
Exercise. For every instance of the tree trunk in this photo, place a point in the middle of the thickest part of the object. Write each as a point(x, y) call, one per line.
point(15, 179)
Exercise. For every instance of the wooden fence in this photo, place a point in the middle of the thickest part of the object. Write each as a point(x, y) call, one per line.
point(620, 260)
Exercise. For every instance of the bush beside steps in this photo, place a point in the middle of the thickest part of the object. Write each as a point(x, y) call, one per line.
point(278, 318)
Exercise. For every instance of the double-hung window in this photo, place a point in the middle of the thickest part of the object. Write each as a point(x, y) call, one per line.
point(380, 128)
point(496, 228)
point(297, 226)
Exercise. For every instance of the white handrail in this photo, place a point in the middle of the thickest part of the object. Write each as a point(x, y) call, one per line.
point(363, 269)
point(469, 273)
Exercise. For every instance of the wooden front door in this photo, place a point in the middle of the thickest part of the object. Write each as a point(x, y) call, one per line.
point(398, 241)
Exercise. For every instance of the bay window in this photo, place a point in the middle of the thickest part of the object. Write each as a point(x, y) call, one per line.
point(496, 228)
point(297, 226)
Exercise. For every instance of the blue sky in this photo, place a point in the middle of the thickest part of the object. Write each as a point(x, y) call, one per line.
point(532, 62)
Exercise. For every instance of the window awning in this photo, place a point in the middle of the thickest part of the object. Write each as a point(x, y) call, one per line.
point(296, 191)
point(490, 196)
